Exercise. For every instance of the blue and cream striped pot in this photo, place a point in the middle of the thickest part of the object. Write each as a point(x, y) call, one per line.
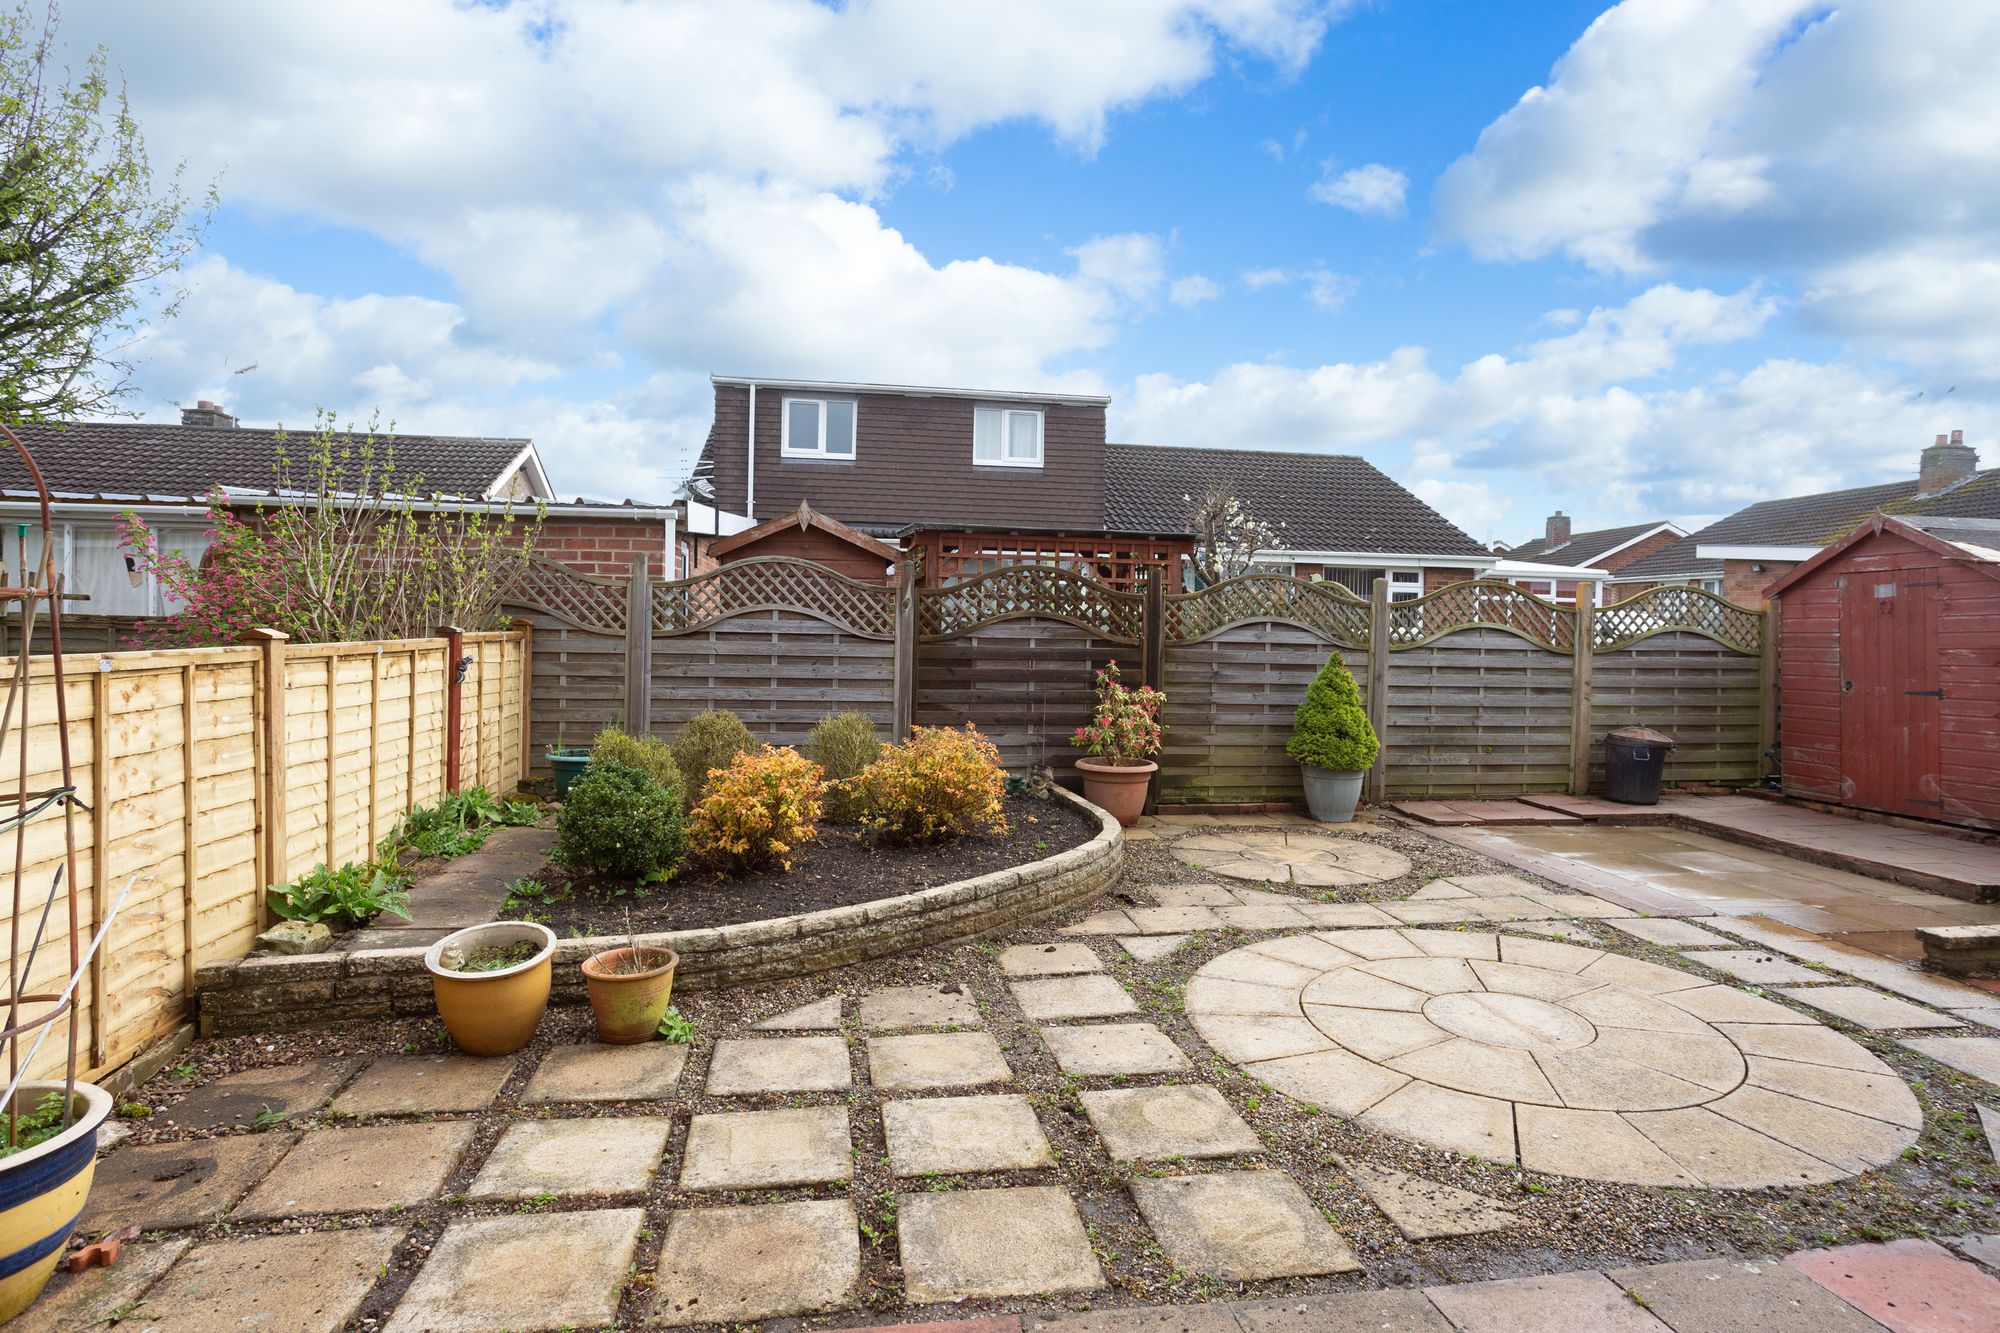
point(42, 1192)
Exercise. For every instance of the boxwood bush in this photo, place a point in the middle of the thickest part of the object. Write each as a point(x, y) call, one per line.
point(1331, 728)
point(708, 742)
point(842, 745)
point(619, 822)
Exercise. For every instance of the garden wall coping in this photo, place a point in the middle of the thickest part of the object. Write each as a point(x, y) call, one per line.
point(278, 992)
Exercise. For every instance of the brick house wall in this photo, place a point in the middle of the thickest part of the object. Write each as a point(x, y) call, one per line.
point(1745, 586)
point(603, 546)
point(1632, 555)
point(1439, 578)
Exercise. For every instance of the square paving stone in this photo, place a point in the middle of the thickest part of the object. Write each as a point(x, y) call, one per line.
point(1912, 1286)
point(235, 1099)
point(1152, 948)
point(1148, 1124)
point(311, 1284)
point(155, 1185)
point(1055, 998)
point(1670, 932)
point(1114, 1048)
point(820, 1016)
point(936, 1060)
point(898, 1008)
point(360, 1169)
point(1241, 1225)
point(417, 1084)
point(1977, 1056)
point(740, 1150)
point(649, 1071)
point(1759, 967)
point(541, 1271)
point(1868, 1008)
point(1049, 960)
point(746, 1065)
point(89, 1299)
point(744, 1264)
point(610, 1155)
point(1352, 1312)
point(955, 1136)
point(969, 1244)
point(1732, 1296)
point(1540, 1304)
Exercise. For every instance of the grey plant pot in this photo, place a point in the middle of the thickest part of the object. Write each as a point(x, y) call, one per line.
point(1331, 793)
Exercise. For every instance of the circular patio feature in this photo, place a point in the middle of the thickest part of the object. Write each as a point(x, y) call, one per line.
point(1568, 1060)
point(1292, 856)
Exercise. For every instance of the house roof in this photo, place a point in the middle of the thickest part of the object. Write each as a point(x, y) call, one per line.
point(1586, 548)
point(1325, 502)
point(802, 518)
point(1816, 520)
point(137, 460)
point(1973, 541)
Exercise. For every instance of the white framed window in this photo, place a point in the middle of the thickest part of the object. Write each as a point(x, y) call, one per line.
point(1006, 437)
point(1711, 585)
point(1406, 585)
point(818, 428)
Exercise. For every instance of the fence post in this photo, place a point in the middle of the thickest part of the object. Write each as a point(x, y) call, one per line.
point(454, 702)
point(1767, 691)
point(526, 629)
point(272, 705)
point(1153, 669)
point(639, 648)
point(1378, 687)
point(905, 704)
point(1579, 702)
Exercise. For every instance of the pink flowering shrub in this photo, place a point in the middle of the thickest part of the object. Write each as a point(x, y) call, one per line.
point(1126, 727)
point(238, 584)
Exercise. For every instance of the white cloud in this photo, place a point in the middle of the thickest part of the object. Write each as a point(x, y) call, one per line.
point(1371, 189)
point(1257, 279)
point(1192, 290)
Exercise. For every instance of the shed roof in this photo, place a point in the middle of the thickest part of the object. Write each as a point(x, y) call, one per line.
point(799, 520)
point(1974, 543)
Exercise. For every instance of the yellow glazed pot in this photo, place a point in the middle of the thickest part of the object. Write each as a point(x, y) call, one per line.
point(491, 1013)
point(41, 1193)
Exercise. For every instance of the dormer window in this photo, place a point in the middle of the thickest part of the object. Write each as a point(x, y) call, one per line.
point(1006, 437)
point(818, 428)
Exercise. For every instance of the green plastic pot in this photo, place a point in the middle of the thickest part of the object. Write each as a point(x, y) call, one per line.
point(568, 766)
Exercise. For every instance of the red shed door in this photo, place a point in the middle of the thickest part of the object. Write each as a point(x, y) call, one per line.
point(1890, 694)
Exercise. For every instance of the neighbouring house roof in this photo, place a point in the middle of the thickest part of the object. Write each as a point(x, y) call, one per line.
point(914, 390)
point(1587, 548)
point(802, 518)
point(1325, 502)
point(1814, 520)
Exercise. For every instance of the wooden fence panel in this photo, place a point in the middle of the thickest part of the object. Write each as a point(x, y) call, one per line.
point(578, 684)
point(780, 671)
point(490, 718)
point(1478, 712)
point(1025, 683)
point(1703, 694)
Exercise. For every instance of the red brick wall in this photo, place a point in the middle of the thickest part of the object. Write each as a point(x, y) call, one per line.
point(1659, 541)
point(603, 546)
point(1438, 578)
point(1744, 586)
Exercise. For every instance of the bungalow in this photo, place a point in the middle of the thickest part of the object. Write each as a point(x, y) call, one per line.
point(1557, 563)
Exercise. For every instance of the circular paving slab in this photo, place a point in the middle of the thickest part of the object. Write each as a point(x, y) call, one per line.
point(1567, 1060)
point(1292, 856)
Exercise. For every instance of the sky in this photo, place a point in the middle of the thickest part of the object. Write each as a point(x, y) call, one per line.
point(1653, 261)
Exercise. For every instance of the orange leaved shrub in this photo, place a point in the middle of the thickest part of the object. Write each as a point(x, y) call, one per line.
point(939, 784)
point(756, 812)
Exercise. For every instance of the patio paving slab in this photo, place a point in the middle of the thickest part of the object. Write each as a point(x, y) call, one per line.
point(1183, 1120)
point(235, 1099)
point(152, 1185)
point(1049, 960)
point(1292, 855)
point(88, 1299)
point(1733, 1296)
point(1246, 1226)
point(964, 1135)
point(1989, 1120)
point(1756, 966)
point(1151, 948)
point(1670, 932)
point(1983, 1249)
point(730, 1265)
point(936, 1060)
point(986, 1243)
point(592, 1072)
point(742, 1066)
point(819, 1016)
point(738, 1150)
point(1541, 1304)
point(1599, 1145)
point(899, 1008)
point(1977, 1056)
point(1352, 1312)
point(420, 1084)
point(1114, 1048)
point(611, 1155)
point(543, 1271)
point(1055, 998)
point(1913, 1286)
point(311, 1283)
point(1424, 1209)
point(1869, 1009)
point(360, 1169)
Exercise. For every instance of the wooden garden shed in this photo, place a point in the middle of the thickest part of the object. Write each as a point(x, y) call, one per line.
point(1889, 670)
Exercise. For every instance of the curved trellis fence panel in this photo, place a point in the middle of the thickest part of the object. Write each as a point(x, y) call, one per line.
point(775, 583)
point(1485, 604)
point(1326, 609)
point(1477, 711)
point(1667, 610)
point(1042, 591)
point(577, 671)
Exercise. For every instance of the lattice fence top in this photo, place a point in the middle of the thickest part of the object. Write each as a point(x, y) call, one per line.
point(1325, 608)
point(1668, 608)
point(1031, 590)
point(587, 603)
point(1483, 604)
point(775, 583)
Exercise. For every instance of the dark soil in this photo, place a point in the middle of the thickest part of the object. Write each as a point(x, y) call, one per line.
point(840, 867)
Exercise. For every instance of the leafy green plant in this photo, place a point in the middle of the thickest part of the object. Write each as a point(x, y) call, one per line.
point(459, 823)
point(498, 957)
point(1331, 729)
point(350, 896)
point(842, 744)
point(1125, 726)
point(619, 822)
point(676, 1030)
point(38, 1126)
point(708, 742)
point(649, 754)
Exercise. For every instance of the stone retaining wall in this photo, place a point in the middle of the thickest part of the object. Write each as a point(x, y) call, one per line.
point(268, 994)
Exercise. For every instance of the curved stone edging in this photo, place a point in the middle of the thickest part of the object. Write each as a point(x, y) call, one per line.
point(265, 994)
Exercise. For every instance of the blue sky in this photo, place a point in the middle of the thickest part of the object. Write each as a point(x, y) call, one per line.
point(1655, 260)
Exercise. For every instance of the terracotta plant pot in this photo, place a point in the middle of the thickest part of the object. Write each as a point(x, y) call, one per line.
point(492, 1013)
point(42, 1190)
point(628, 1005)
point(1117, 789)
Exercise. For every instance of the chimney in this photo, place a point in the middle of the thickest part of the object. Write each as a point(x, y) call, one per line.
point(205, 413)
point(1557, 532)
point(1945, 464)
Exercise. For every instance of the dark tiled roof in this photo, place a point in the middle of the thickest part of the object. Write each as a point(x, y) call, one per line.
point(125, 459)
point(1817, 520)
point(1582, 548)
point(1326, 502)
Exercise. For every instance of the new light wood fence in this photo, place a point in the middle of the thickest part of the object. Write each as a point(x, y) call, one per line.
point(172, 755)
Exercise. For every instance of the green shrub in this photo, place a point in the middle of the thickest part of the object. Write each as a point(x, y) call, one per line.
point(457, 824)
point(621, 823)
point(1331, 727)
point(842, 745)
point(649, 754)
point(350, 896)
point(709, 741)
point(940, 784)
